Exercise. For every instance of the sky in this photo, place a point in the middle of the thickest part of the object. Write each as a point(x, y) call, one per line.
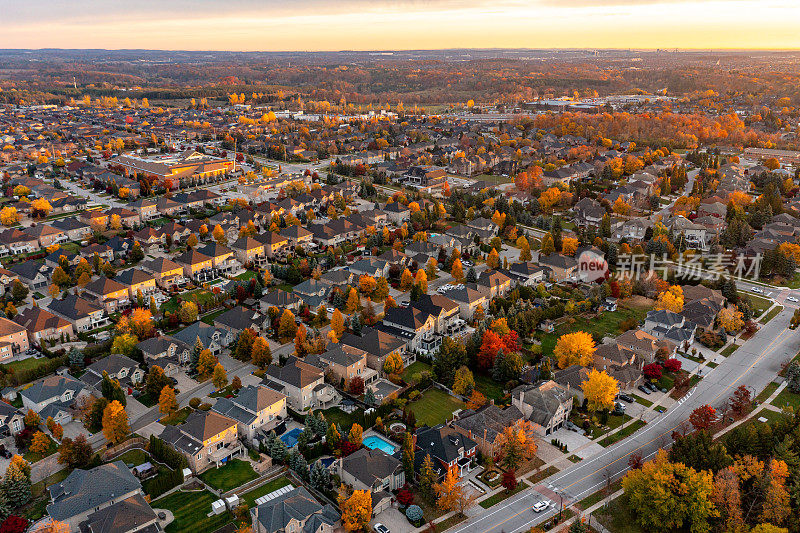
point(278, 25)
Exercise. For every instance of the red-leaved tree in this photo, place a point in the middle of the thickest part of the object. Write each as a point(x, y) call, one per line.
point(703, 417)
point(652, 371)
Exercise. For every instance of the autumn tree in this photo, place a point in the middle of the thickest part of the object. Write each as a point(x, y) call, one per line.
point(167, 403)
point(451, 495)
point(464, 382)
point(205, 364)
point(574, 349)
point(621, 207)
point(476, 400)
point(219, 377)
point(356, 434)
point(457, 271)
point(287, 326)
point(731, 319)
point(569, 246)
point(356, 510)
point(219, 235)
point(393, 363)
point(516, 444)
point(188, 312)
point(421, 280)
point(600, 389)
point(703, 417)
point(9, 216)
point(40, 208)
point(40, 443)
point(115, 423)
point(547, 246)
point(666, 496)
point(493, 259)
point(353, 301)
point(671, 299)
point(261, 353)
point(406, 280)
point(524, 248)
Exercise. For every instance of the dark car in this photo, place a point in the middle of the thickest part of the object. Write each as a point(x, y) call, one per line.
point(173, 381)
point(643, 389)
point(626, 398)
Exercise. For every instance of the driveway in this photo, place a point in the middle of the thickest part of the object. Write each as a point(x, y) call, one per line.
point(393, 519)
point(577, 444)
point(135, 408)
point(75, 428)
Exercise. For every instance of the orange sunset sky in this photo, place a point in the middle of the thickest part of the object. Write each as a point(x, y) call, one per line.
point(404, 24)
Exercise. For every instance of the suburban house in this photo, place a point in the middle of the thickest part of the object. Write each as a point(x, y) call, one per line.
point(196, 265)
point(496, 282)
point(670, 326)
point(103, 499)
point(295, 511)
point(13, 339)
point(12, 420)
point(211, 337)
point(372, 470)
point(248, 250)
point(239, 318)
point(206, 438)
point(303, 384)
point(344, 363)
point(527, 273)
point(545, 404)
point(468, 300)
point(378, 345)
point(123, 369)
point(413, 325)
point(397, 213)
point(281, 299)
point(110, 293)
point(254, 408)
point(44, 325)
point(645, 345)
point(447, 447)
point(137, 280)
point(168, 274)
point(485, 425)
point(165, 351)
point(54, 396)
point(561, 267)
point(81, 313)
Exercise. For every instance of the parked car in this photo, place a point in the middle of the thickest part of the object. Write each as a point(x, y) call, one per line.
point(792, 299)
point(643, 389)
point(538, 507)
point(626, 398)
point(380, 528)
point(758, 290)
point(650, 386)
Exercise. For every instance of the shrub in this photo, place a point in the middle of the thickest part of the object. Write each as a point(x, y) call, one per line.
point(672, 365)
point(194, 403)
point(414, 515)
point(205, 406)
point(414, 395)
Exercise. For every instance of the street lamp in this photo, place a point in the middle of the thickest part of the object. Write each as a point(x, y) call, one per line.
point(561, 502)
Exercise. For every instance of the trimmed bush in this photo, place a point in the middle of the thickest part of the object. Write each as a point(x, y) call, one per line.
point(194, 403)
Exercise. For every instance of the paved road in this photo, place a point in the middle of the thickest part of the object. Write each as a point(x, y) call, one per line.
point(754, 364)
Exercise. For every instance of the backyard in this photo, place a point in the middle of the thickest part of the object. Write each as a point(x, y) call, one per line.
point(191, 512)
point(249, 498)
point(434, 407)
point(229, 476)
point(413, 368)
point(605, 324)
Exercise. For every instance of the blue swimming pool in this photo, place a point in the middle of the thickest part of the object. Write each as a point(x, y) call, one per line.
point(375, 441)
point(290, 437)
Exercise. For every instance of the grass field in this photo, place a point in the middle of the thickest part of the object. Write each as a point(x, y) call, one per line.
point(178, 417)
point(249, 498)
point(191, 512)
point(413, 368)
point(33, 457)
point(342, 420)
point(434, 407)
point(772, 314)
point(787, 398)
point(729, 349)
point(489, 387)
point(229, 476)
point(622, 433)
point(246, 276)
point(25, 364)
point(209, 318)
point(497, 498)
point(757, 303)
point(639, 399)
point(767, 392)
point(617, 518)
point(607, 324)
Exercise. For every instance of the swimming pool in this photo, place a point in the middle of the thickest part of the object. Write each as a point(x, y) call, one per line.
point(290, 438)
point(376, 441)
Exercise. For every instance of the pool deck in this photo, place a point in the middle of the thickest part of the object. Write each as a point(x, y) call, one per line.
point(372, 433)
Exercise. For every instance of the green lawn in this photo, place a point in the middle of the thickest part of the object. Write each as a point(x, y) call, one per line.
point(771, 416)
point(342, 420)
point(246, 276)
point(249, 498)
point(178, 417)
point(229, 476)
point(729, 349)
point(497, 498)
point(489, 387)
point(607, 324)
point(434, 407)
point(209, 318)
point(767, 392)
point(33, 457)
point(134, 457)
point(757, 303)
point(772, 314)
point(787, 398)
point(622, 433)
point(413, 368)
point(25, 364)
point(667, 381)
point(191, 512)
point(493, 180)
point(617, 518)
point(639, 399)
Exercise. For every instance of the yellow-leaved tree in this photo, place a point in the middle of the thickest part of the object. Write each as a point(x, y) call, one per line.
point(671, 299)
point(731, 319)
point(574, 349)
point(115, 423)
point(599, 389)
point(356, 509)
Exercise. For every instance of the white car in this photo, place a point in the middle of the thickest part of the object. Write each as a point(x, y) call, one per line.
point(792, 299)
point(757, 289)
point(538, 507)
point(380, 528)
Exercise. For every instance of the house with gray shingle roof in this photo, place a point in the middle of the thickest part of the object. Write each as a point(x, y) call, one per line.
point(294, 511)
point(547, 405)
point(372, 470)
point(86, 492)
point(254, 408)
point(53, 396)
point(206, 438)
